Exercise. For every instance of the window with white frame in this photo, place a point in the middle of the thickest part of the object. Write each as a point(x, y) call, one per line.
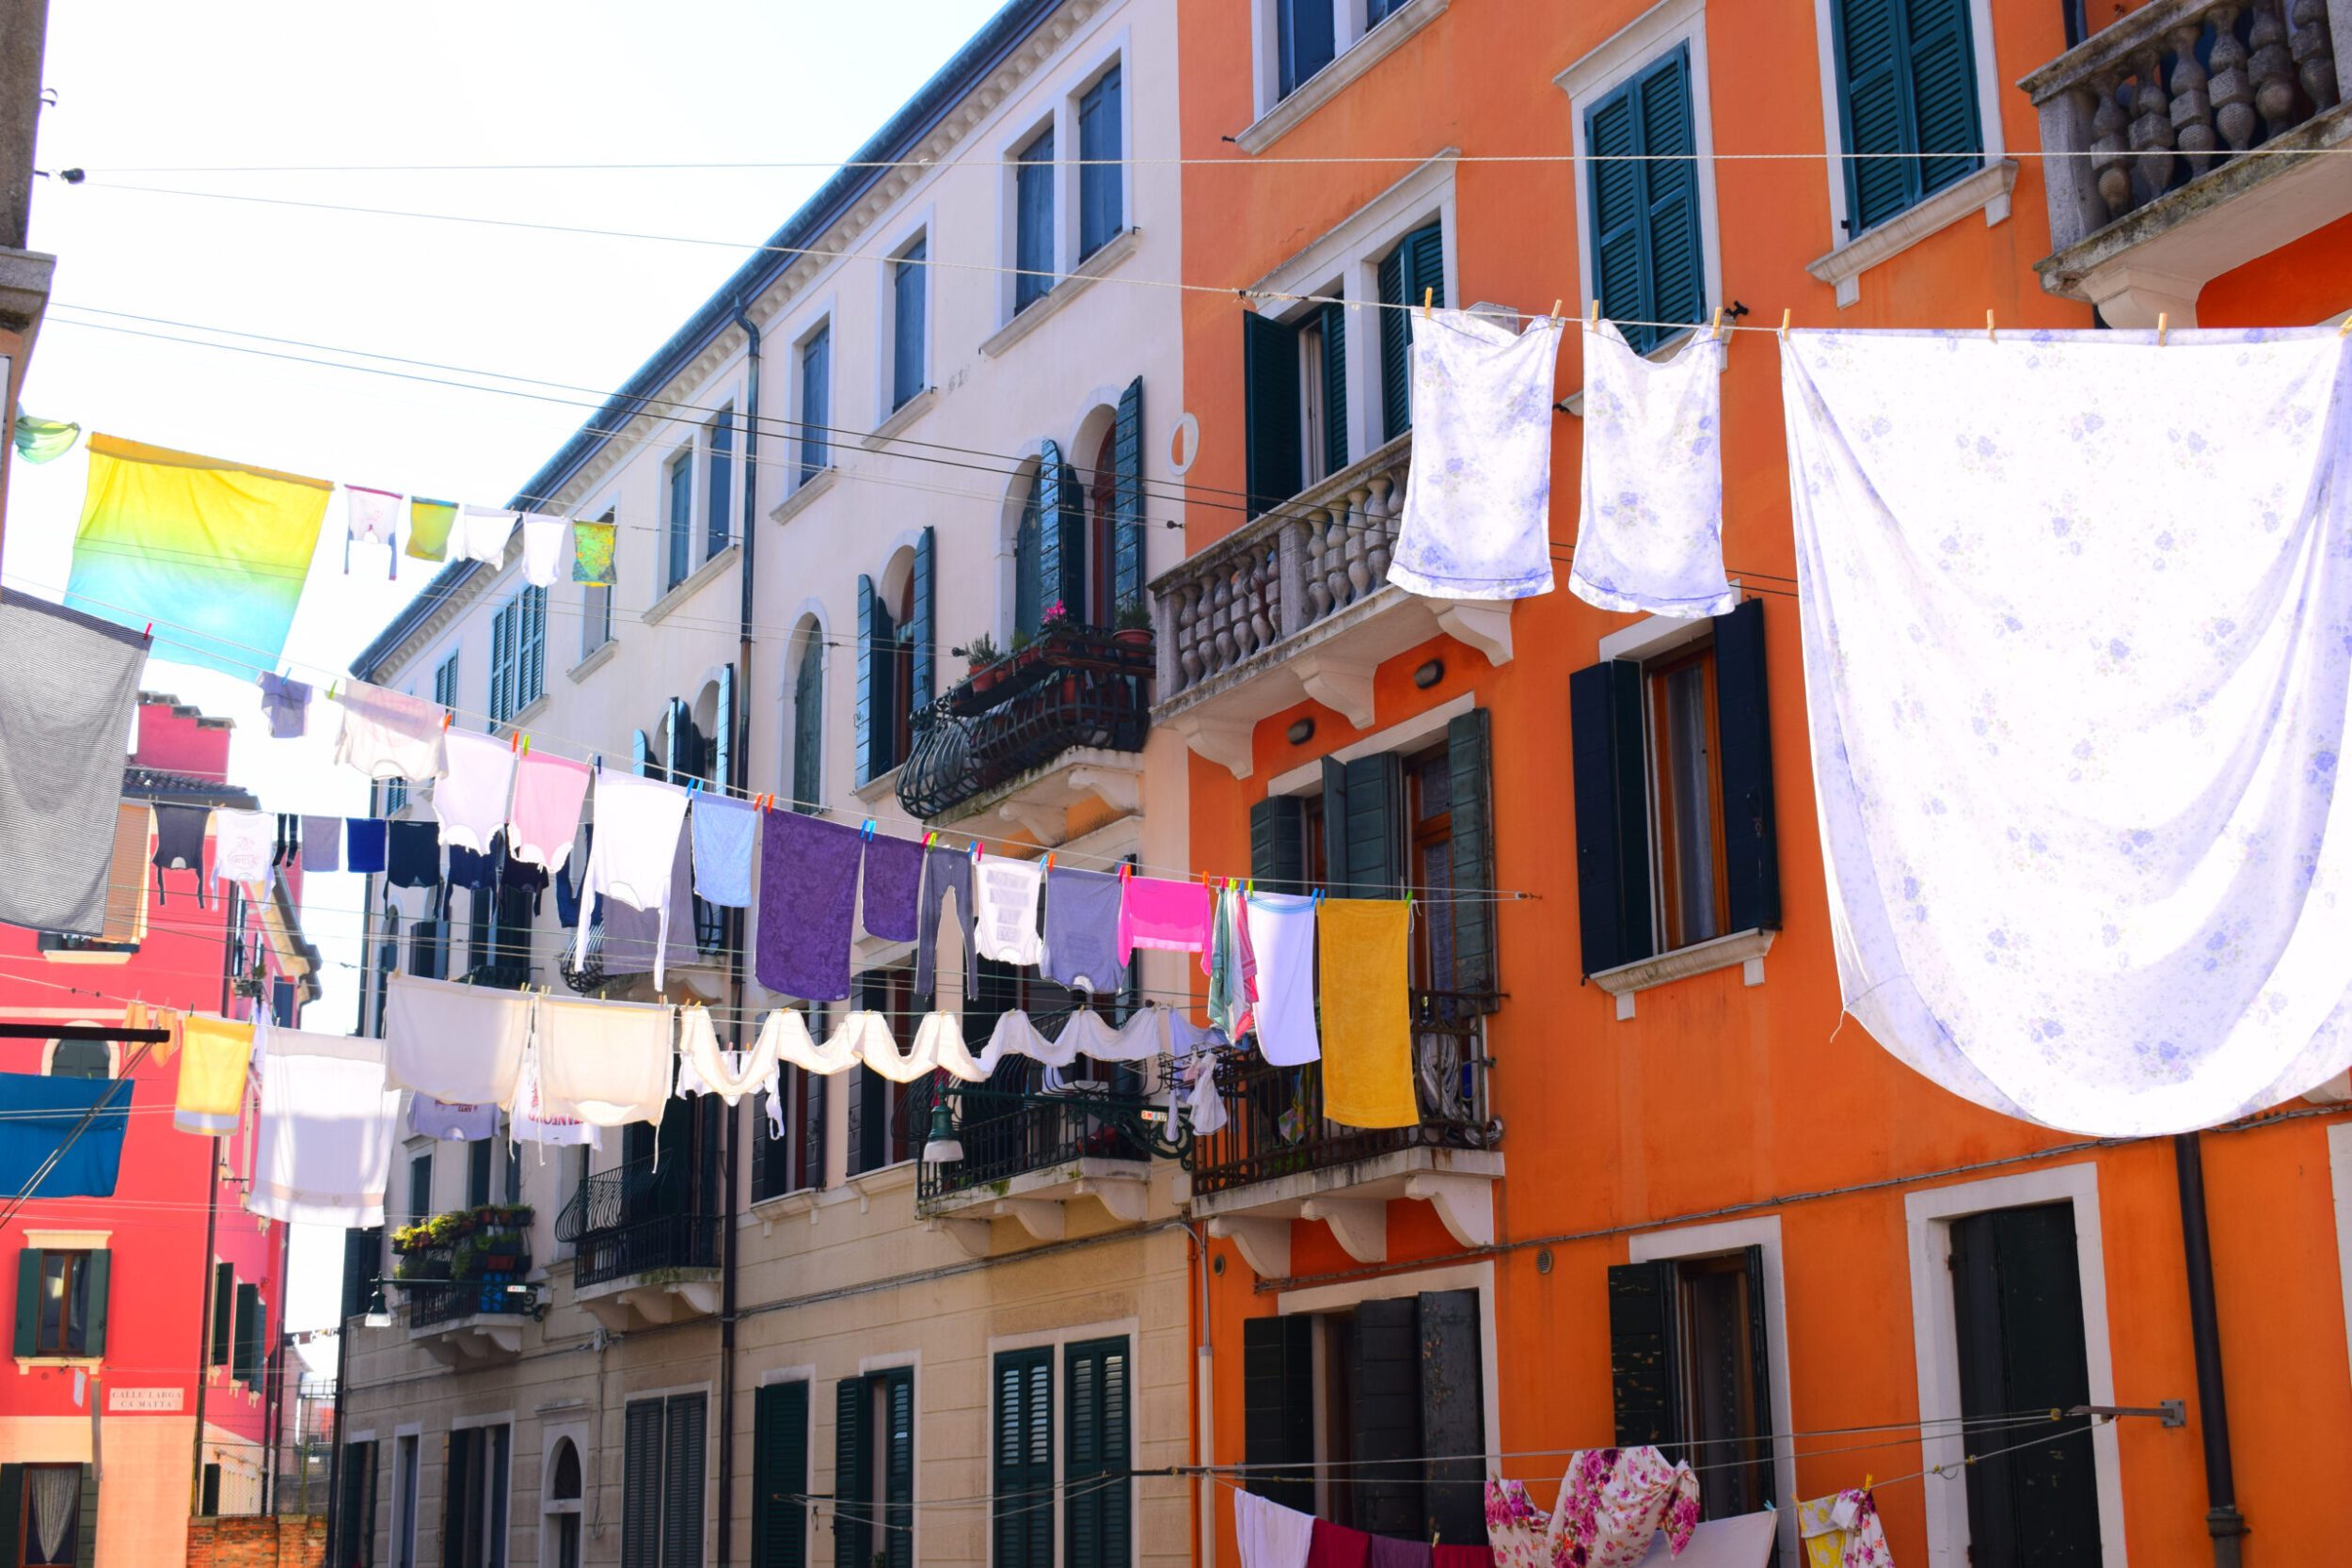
point(1033, 246)
point(812, 398)
point(519, 653)
point(1297, 38)
point(1067, 194)
point(677, 499)
point(1102, 167)
point(909, 316)
point(596, 621)
point(474, 1495)
point(718, 481)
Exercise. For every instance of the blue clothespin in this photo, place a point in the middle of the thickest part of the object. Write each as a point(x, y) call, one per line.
point(867, 833)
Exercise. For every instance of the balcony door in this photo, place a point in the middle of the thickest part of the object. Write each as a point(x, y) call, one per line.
point(673, 1172)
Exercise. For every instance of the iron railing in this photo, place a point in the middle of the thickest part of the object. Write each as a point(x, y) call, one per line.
point(665, 1242)
point(497, 976)
point(1007, 1133)
point(432, 1304)
point(1075, 686)
point(1278, 1128)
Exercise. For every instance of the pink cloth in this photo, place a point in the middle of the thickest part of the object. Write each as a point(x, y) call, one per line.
point(548, 792)
point(1613, 1502)
point(1171, 916)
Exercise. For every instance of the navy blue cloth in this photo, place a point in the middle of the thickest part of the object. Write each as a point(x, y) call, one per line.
point(38, 1113)
point(469, 869)
point(415, 859)
point(567, 881)
point(363, 844)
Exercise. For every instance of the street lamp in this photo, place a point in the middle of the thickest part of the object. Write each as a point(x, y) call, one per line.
point(943, 1148)
point(378, 1315)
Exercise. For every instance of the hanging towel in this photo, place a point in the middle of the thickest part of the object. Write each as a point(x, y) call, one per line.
point(1843, 1531)
point(548, 794)
point(455, 1042)
point(1614, 1501)
point(38, 1113)
point(1649, 532)
point(1362, 946)
point(126, 873)
point(946, 872)
point(429, 1118)
point(39, 440)
point(68, 683)
point(808, 878)
point(414, 859)
point(214, 550)
point(474, 793)
point(534, 1121)
point(1166, 915)
point(608, 1063)
point(640, 821)
point(286, 703)
point(1283, 936)
point(390, 735)
point(724, 832)
point(543, 548)
point(632, 936)
point(592, 553)
point(939, 1039)
point(1232, 968)
point(2077, 674)
point(1336, 1546)
point(364, 842)
point(1004, 910)
point(1270, 1535)
point(242, 844)
point(894, 885)
point(481, 534)
point(1081, 934)
point(698, 1048)
point(215, 1056)
point(430, 524)
point(1478, 503)
point(323, 844)
point(324, 1151)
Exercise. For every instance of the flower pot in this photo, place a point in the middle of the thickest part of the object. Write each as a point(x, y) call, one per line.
point(985, 678)
point(1133, 637)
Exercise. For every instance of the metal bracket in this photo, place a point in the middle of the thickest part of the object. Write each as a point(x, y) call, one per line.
point(2172, 1413)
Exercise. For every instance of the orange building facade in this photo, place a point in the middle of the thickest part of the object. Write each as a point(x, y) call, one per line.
point(1658, 1191)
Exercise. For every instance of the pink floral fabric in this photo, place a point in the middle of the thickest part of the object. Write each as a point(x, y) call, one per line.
point(1517, 1529)
point(1843, 1531)
point(1614, 1500)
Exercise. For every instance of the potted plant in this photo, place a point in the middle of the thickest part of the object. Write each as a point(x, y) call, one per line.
point(1024, 651)
point(1132, 626)
point(980, 657)
point(1056, 622)
point(501, 1252)
point(465, 1258)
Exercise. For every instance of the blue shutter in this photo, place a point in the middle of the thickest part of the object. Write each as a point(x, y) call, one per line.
point(1028, 602)
point(1305, 40)
point(906, 329)
point(816, 403)
point(1128, 548)
point(869, 620)
point(1061, 556)
point(1906, 86)
point(677, 762)
point(1022, 1446)
point(535, 650)
point(721, 499)
point(1033, 223)
point(641, 753)
point(780, 1475)
point(920, 630)
point(852, 1474)
point(1414, 269)
point(501, 701)
point(1096, 1378)
point(681, 519)
point(1646, 265)
point(1334, 388)
point(1610, 771)
point(1270, 412)
point(1099, 183)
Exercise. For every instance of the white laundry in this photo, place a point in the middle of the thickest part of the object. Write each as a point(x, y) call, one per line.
point(454, 1042)
point(388, 734)
point(939, 1039)
point(1282, 935)
point(633, 853)
point(372, 513)
point(481, 532)
point(429, 1118)
point(869, 1035)
point(1003, 908)
point(794, 1045)
point(1192, 1091)
point(1477, 515)
point(728, 1074)
point(242, 842)
point(534, 1120)
point(543, 547)
point(2076, 673)
point(1141, 1039)
point(1649, 532)
point(471, 797)
point(1268, 1535)
point(323, 1152)
point(1015, 1036)
point(608, 1063)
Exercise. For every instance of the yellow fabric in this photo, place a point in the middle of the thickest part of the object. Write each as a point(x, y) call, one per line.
point(428, 528)
point(126, 874)
point(1361, 951)
point(216, 1055)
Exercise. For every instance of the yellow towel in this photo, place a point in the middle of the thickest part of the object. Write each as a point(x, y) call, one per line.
point(1362, 949)
point(214, 1058)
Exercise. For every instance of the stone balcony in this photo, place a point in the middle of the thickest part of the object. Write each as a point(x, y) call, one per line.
point(642, 1257)
point(1297, 603)
point(465, 1324)
point(2187, 138)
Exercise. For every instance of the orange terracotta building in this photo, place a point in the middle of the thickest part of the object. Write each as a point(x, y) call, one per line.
point(1657, 1190)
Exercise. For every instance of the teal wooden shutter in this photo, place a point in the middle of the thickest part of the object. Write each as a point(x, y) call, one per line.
point(676, 758)
point(1643, 190)
point(1033, 223)
point(502, 664)
point(1942, 57)
point(809, 727)
point(1413, 271)
point(1384, 1417)
point(1061, 552)
point(1278, 843)
point(1270, 410)
point(921, 633)
point(1128, 548)
point(683, 1419)
point(869, 619)
point(533, 681)
point(1907, 101)
point(852, 1475)
point(1470, 796)
point(816, 403)
point(12, 1509)
point(907, 286)
point(245, 1363)
point(1610, 768)
point(640, 1486)
point(1278, 1396)
point(1305, 40)
point(1744, 745)
point(27, 1300)
point(719, 503)
point(1022, 1493)
point(1028, 590)
point(1095, 1447)
point(1644, 1353)
point(780, 1476)
point(101, 1266)
point(640, 752)
point(1453, 1414)
point(1334, 388)
point(85, 1521)
point(898, 1467)
point(1363, 827)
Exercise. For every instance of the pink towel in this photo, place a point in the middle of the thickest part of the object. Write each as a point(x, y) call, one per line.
point(547, 796)
point(1171, 916)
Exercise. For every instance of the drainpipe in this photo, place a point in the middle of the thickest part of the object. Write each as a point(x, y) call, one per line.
point(2222, 1520)
point(740, 751)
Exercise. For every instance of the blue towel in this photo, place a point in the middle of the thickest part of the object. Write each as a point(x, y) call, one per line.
point(725, 833)
point(38, 1113)
point(363, 842)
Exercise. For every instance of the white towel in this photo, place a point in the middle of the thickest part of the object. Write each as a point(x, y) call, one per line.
point(870, 1033)
point(939, 1039)
point(458, 1043)
point(481, 532)
point(608, 1063)
point(1268, 1535)
point(543, 547)
point(636, 846)
point(730, 1080)
point(373, 514)
point(1015, 1036)
point(241, 845)
point(390, 735)
point(470, 799)
point(1004, 906)
point(1649, 532)
point(325, 1148)
point(794, 1044)
point(1282, 935)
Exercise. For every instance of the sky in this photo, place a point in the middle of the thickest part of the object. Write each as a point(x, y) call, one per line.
point(147, 92)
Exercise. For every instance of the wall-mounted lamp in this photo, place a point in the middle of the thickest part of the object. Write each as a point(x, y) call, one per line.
point(1301, 732)
point(1429, 675)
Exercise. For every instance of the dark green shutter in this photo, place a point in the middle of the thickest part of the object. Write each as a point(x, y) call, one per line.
point(1384, 1416)
point(722, 772)
point(101, 1264)
point(1760, 1369)
point(245, 1363)
point(1644, 1353)
point(85, 1522)
point(921, 632)
point(1277, 1397)
point(869, 620)
point(683, 1420)
point(28, 1301)
point(1096, 1449)
point(1278, 843)
point(1414, 270)
point(1453, 1413)
point(812, 1130)
point(898, 1466)
point(1334, 388)
point(780, 1476)
point(808, 710)
point(1610, 774)
point(1469, 770)
point(852, 1478)
point(363, 1252)
point(1943, 59)
point(12, 1509)
point(461, 1478)
point(1363, 827)
point(478, 1152)
point(1744, 745)
point(1646, 261)
point(640, 1486)
point(1907, 97)
point(1127, 548)
point(1021, 1493)
point(765, 1176)
point(1061, 555)
point(1269, 357)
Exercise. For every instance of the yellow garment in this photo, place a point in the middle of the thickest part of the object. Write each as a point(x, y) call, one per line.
point(215, 1056)
point(1362, 949)
point(428, 528)
point(138, 1015)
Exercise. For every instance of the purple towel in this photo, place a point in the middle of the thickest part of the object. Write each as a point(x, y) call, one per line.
point(1389, 1552)
point(894, 880)
point(809, 876)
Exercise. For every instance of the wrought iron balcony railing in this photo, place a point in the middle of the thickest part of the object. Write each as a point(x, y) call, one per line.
point(433, 1303)
point(1005, 1134)
point(1278, 1128)
point(1074, 687)
point(635, 1218)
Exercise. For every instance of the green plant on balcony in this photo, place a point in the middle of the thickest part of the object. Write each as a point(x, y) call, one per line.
point(501, 1251)
point(413, 1237)
point(980, 657)
point(465, 1258)
point(445, 1230)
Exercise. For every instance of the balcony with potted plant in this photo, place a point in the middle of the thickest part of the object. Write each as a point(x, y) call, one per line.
point(465, 1275)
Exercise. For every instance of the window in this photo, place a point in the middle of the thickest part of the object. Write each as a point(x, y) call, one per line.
point(519, 653)
point(81, 1059)
point(1033, 222)
point(808, 720)
point(1688, 1346)
point(661, 1484)
point(815, 403)
point(475, 1498)
point(208, 1491)
point(873, 1470)
point(1411, 273)
point(1368, 1396)
point(1645, 202)
point(1095, 1503)
point(395, 792)
point(796, 1161)
point(419, 1185)
point(355, 1509)
point(224, 1313)
point(1306, 38)
point(679, 538)
point(405, 1484)
point(478, 1173)
point(1021, 1510)
point(894, 665)
point(53, 1508)
point(596, 621)
point(247, 1356)
point(880, 1110)
point(780, 1476)
point(909, 288)
point(562, 1506)
point(1102, 175)
point(428, 950)
point(445, 681)
point(61, 1302)
point(1906, 101)
point(1674, 797)
point(719, 489)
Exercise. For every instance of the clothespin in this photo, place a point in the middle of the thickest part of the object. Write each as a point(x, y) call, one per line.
point(1126, 869)
point(2346, 324)
point(975, 851)
point(526, 745)
point(515, 741)
point(2164, 325)
point(446, 716)
point(1867, 1478)
point(1049, 859)
point(1718, 331)
point(1555, 312)
point(1592, 319)
point(1784, 324)
point(1428, 298)
point(867, 833)
point(149, 632)
point(1988, 328)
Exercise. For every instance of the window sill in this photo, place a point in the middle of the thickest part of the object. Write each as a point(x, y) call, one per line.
point(766, 1211)
point(691, 584)
point(1573, 405)
point(812, 488)
point(900, 417)
point(595, 661)
point(526, 713)
point(1326, 84)
point(881, 787)
point(25, 1364)
point(882, 1181)
point(1985, 191)
point(1743, 950)
point(1114, 250)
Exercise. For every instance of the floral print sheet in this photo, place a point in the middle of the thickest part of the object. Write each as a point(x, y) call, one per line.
point(1477, 520)
point(1649, 528)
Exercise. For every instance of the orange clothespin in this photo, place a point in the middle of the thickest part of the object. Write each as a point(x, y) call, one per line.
point(1717, 332)
point(1989, 336)
point(1592, 319)
point(446, 716)
point(515, 741)
point(2164, 325)
point(2346, 325)
point(1784, 324)
point(1049, 859)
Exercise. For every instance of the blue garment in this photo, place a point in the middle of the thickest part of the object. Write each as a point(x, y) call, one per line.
point(37, 1114)
point(725, 833)
point(363, 842)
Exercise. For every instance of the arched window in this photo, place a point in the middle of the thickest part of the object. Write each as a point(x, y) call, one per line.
point(81, 1059)
point(808, 719)
point(1028, 603)
point(562, 1503)
point(1102, 524)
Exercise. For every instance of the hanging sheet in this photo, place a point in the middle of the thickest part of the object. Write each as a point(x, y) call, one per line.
point(390, 735)
point(454, 1042)
point(607, 1063)
point(327, 1128)
point(2076, 665)
point(1649, 532)
point(215, 1061)
point(38, 1113)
